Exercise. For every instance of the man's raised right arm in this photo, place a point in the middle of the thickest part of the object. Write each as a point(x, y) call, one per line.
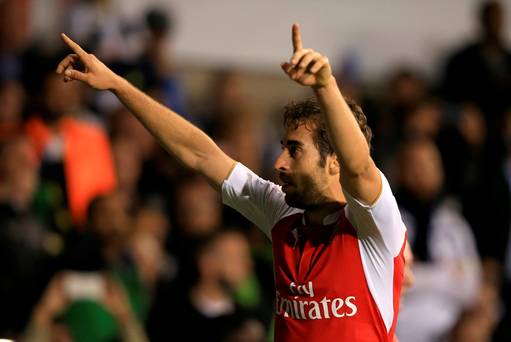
point(187, 143)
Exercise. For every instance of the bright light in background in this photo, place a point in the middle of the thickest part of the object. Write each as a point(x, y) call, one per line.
point(255, 35)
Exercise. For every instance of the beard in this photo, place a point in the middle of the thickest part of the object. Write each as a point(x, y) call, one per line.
point(301, 192)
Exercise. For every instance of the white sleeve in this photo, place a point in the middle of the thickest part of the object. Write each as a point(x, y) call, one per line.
point(380, 221)
point(381, 237)
point(260, 201)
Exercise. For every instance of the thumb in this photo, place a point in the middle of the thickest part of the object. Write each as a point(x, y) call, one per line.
point(76, 75)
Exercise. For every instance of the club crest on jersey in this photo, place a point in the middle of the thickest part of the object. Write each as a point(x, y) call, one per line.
point(326, 308)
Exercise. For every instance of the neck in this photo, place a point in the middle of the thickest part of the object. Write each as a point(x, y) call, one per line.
point(316, 215)
point(208, 290)
point(492, 42)
point(112, 251)
point(334, 201)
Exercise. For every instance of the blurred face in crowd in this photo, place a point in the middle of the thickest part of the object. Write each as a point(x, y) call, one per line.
point(199, 210)
point(15, 25)
point(305, 181)
point(492, 20)
point(128, 163)
point(421, 169)
point(128, 127)
point(153, 221)
point(110, 220)
point(12, 97)
point(472, 125)
point(234, 256)
point(60, 98)
point(229, 92)
point(242, 140)
point(407, 89)
point(18, 170)
point(425, 119)
point(226, 259)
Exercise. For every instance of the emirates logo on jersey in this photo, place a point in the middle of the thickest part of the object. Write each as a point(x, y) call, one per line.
point(326, 308)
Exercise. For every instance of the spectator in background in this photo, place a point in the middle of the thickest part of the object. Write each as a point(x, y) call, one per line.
point(222, 264)
point(229, 96)
point(469, 156)
point(157, 60)
point(103, 25)
point(234, 121)
point(197, 218)
point(12, 103)
point(153, 68)
point(14, 32)
point(481, 70)
point(197, 213)
point(446, 267)
point(151, 230)
point(47, 322)
point(111, 225)
point(424, 119)
point(497, 235)
point(23, 239)
point(406, 91)
point(243, 137)
point(128, 167)
point(463, 143)
point(478, 323)
point(105, 251)
point(147, 170)
point(76, 157)
point(124, 126)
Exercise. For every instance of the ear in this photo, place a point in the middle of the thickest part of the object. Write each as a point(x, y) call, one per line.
point(333, 165)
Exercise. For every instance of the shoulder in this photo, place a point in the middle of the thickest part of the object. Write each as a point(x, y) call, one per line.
point(449, 211)
point(448, 216)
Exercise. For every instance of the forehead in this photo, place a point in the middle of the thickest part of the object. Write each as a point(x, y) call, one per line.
point(302, 133)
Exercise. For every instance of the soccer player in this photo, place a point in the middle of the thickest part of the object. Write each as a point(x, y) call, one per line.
point(337, 235)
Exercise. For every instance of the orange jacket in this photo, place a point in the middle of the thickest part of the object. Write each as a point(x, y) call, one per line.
point(88, 161)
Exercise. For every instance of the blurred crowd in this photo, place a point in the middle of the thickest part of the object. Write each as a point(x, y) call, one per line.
point(104, 237)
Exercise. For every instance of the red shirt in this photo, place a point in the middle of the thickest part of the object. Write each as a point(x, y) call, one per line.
point(336, 282)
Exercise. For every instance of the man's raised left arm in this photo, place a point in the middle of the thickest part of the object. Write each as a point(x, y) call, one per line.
point(359, 175)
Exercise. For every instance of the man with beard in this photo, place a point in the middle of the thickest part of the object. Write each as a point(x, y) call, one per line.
point(338, 237)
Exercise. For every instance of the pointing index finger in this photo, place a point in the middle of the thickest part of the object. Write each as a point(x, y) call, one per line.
point(75, 47)
point(297, 38)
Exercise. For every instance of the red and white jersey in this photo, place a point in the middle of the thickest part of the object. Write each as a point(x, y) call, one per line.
point(336, 282)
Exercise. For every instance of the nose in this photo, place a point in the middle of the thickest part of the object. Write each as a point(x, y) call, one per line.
point(282, 162)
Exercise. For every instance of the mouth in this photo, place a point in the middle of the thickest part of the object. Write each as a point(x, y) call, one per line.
point(286, 182)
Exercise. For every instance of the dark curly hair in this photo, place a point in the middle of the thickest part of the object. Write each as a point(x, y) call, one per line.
point(309, 112)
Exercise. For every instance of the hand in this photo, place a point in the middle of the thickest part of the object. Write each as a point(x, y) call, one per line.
point(306, 66)
point(96, 74)
point(116, 301)
point(53, 301)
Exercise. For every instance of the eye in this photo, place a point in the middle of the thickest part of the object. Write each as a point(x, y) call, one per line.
point(292, 151)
